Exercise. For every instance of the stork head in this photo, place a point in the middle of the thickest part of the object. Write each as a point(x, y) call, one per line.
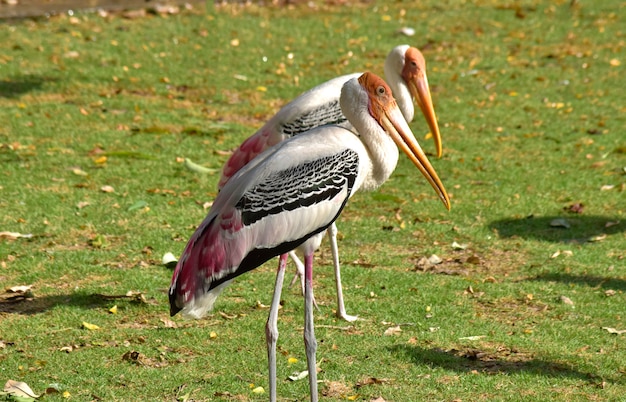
point(405, 67)
point(414, 74)
point(384, 109)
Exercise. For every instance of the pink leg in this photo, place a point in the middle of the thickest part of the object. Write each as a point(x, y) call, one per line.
point(310, 344)
point(271, 327)
point(300, 275)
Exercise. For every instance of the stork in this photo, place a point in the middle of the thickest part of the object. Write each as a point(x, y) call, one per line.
point(287, 197)
point(405, 70)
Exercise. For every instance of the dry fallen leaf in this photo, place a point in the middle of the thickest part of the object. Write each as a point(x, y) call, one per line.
point(336, 389)
point(72, 54)
point(260, 305)
point(393, 330)
point(435, 259)
point(20, 289)
point(560, 223)
point(599, 237)
point(567, 253)
point(107, 189)
point(372, 381)
point(472, 338)
point(567, 300)
point(166, 9)
point(169, 260)
point(134, 14)
point(299, 375)
point(15, 235)
point(79, 172)
point(407, 31)
point(576, 208)
point(614, 331)
point(457, 246)
point(168, 323)
point(19, 389)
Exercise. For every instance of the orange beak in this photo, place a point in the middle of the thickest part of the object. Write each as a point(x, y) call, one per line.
point(396, 126)
point(421, 93)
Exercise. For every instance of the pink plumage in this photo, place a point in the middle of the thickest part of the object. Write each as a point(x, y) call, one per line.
point(247, 151)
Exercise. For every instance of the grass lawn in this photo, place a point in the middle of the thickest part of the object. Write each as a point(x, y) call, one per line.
point(99, 112)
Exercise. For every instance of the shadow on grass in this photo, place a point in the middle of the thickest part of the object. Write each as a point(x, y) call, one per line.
point(581, 228)
point(29, 304)
point(589, 280)
point(12, 87)
point(498, 362)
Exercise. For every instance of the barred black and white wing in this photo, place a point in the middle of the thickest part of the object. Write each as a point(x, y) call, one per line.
point(314, 108)
point(272, 206)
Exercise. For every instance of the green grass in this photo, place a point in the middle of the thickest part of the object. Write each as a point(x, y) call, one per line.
point(530, 101)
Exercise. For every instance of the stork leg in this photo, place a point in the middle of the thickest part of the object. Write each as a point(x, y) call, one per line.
point(310, 344)
point(299, 274)
point(341, 309)
point(300, 270)
point(271, 327)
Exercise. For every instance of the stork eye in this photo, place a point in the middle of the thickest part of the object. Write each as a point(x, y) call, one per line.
point(380, 90)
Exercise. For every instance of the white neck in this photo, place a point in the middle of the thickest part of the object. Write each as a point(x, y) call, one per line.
point(393, 75)
point(382, 151)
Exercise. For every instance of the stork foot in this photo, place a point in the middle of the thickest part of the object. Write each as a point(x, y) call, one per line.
point(347, 317)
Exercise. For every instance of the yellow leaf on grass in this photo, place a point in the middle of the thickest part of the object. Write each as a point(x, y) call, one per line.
point(100, 161)
point(79, 172)
point(113, 310)
point(292, 360)
point(66, 394)
point(258, 390)
point(89, 326)
point(213, 335)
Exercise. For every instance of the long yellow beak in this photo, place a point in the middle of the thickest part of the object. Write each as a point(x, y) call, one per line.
point(397, 127)
point(421, 93)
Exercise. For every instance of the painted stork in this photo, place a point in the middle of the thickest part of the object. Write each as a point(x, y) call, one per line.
point(405, 71)
point(287, 197)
